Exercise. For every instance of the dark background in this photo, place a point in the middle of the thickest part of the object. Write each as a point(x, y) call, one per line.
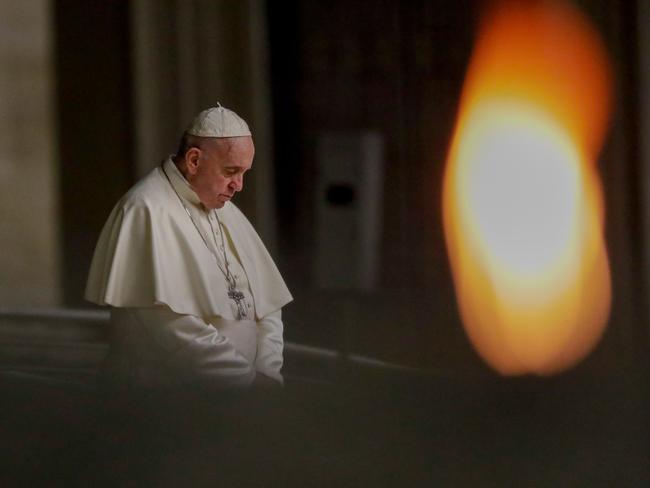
point(396, 68)
point(393, 67)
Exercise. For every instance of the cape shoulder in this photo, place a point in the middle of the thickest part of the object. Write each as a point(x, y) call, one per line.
point(147, 255)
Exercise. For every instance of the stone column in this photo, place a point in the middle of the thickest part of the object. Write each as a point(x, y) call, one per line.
point(30, 256)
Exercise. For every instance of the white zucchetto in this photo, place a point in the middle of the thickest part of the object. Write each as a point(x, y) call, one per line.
point(218, 122)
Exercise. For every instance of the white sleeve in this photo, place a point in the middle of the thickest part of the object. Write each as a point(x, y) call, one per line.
point(270, 345)
point(194, 349)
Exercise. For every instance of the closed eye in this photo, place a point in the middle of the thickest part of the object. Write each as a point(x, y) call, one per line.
point(235, 170)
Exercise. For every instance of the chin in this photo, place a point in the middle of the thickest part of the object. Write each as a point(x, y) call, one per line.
point(212, 205)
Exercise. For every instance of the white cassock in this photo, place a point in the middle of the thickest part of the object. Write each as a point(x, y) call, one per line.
point(162, 272)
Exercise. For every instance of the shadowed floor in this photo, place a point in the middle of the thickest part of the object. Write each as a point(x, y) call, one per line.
point(371, 429)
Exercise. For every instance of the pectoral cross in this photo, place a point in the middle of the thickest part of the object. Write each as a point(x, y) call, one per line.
point(238, 297)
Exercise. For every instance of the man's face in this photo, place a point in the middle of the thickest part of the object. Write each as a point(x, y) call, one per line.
point(216, 171)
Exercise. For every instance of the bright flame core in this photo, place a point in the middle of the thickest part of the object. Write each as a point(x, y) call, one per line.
point(522, 202)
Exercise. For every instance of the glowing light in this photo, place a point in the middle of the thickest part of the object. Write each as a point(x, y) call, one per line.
point(522, 203)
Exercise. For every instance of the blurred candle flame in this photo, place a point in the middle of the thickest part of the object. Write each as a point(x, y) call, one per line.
point(522, 201)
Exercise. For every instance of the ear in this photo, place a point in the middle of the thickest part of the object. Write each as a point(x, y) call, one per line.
point(192, 160)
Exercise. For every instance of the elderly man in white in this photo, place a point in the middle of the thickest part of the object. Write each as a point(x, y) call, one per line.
point(195, 296)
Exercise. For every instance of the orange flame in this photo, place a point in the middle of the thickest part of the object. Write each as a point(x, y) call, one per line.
point(522, 202)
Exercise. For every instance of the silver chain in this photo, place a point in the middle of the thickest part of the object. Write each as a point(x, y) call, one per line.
point(229, 276)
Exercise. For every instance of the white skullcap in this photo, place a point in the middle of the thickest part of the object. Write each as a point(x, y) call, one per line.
point(218, 122)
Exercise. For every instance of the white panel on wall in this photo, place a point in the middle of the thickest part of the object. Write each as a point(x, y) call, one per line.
point(348, 202)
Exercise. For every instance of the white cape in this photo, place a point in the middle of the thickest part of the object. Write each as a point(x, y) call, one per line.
point(149, 253)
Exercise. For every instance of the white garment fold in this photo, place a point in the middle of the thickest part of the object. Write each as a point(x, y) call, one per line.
point(158, 347)
point(270, 345)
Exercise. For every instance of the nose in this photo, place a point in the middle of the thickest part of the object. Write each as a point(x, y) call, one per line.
point(237, 183)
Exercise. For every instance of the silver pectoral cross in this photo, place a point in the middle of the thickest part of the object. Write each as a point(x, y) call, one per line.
point(238, 297)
